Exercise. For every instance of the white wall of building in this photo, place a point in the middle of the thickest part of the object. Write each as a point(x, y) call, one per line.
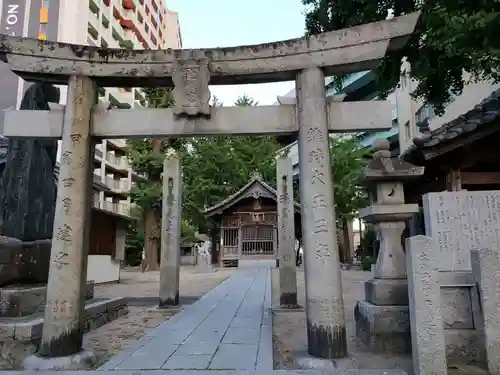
point(472, 94)
point(102, 269)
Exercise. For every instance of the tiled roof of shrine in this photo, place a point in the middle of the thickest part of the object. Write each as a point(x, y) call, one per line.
point(246, 192)
point(482, 115)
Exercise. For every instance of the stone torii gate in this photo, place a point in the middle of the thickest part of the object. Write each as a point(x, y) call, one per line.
point(305, 60)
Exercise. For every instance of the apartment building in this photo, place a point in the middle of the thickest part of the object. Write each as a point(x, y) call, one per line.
point(137, 24)
point(131, 24)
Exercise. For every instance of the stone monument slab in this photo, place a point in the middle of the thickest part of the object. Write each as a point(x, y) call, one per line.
point(462, 221)
point(427, 333)
point(485, 267)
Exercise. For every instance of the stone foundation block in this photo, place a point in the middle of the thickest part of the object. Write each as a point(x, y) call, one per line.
point(24, 300)
point(19, 339)
point(464, 345)
point(383, 329)
point(387, 292)
point(24, 262)
point(79, 361)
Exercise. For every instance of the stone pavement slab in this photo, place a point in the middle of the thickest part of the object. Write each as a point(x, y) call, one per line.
point(227, 329)
point(208, 372)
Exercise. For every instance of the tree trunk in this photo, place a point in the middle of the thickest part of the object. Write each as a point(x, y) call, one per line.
point(151, 242)
point(214, 237)
point(152, 229)
point(347, 242)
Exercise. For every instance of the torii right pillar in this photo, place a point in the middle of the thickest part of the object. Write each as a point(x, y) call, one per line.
point(326, 330)
point(382, 319)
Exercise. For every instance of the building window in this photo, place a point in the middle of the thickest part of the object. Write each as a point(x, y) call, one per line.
point(407, 131)
point(42, 31)
point(426, 112)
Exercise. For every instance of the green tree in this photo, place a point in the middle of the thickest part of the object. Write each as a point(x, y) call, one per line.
point(348, 159)
point(245, 101)
point(147, 155)
point(453, 36)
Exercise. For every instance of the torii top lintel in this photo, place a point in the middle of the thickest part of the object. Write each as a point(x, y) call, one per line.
point(342, 51)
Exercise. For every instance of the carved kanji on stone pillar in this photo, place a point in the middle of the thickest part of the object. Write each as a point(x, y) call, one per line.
point(191, 76)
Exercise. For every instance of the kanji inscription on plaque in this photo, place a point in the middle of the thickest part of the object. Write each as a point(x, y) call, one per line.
point(191, 77)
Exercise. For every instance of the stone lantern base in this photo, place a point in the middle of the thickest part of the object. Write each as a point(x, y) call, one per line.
point(383, 320)
point(383, 329)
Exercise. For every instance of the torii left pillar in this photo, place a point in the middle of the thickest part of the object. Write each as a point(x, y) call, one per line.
point(61, 345)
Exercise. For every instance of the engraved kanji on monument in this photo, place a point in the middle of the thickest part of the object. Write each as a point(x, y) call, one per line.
point(461, 221)
point(191, 76)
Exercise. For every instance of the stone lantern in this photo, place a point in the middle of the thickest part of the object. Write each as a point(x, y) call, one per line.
point(382, 320)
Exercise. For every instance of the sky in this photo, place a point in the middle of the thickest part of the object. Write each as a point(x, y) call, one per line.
point(224, 23)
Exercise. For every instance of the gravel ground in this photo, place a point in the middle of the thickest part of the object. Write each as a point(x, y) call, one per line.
point(111, 338)
point(114, 336)
point(289, 328)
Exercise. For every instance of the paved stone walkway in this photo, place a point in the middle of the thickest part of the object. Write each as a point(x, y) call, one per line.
point(227, 332)
point(229, 328)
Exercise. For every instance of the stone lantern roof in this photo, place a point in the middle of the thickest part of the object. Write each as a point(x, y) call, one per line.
point(384, 168)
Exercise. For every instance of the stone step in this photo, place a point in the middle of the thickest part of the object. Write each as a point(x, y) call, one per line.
point(20, 336)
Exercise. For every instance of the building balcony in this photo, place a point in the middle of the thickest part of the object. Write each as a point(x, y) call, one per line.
point(104, 20)
point(92, 32)
point(118, 143)
point(119, 96)
point(97, 175)
point(98, 153)
point(127, 23)
point(139, 176)
point(95, 200)
point(118, 33)
point(91, 41)
point(154, 5)
point(94, 6)
point(121, 185)
point(94, 20)
point(128, 4)
point(119, 162)
point(108, 206)
point(122, 209)
point(117, 208)
point(140, 30)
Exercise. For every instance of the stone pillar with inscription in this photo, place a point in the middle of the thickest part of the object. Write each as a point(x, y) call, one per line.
point(326, 330)
point(382, 320)
point(61, 344)
point(286, 232)
point(170, 231)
